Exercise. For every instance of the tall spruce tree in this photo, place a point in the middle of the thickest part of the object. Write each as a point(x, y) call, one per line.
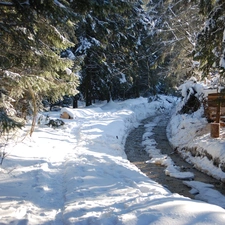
point(176, 24)
point(210, 47)
point(108, 37)
point(32, 36)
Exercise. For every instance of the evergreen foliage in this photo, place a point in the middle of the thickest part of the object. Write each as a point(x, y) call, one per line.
point(121, 48)
point(176, 27)
point(110, 36)
point(210, 48)
point(33, 34)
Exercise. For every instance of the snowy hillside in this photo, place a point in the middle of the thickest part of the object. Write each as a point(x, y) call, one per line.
point(190, 134)
point(79, 174)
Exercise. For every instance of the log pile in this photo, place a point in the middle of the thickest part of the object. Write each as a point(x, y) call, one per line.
point(215, 112)
point(215, 107)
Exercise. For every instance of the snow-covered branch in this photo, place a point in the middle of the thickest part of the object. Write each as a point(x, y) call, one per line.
point(14, 4)
point(6, 4)
point(59, 4)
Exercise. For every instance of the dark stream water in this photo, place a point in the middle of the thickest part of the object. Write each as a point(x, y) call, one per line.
point(138, 156)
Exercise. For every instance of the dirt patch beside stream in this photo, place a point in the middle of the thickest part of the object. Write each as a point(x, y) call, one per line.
point(138, 156)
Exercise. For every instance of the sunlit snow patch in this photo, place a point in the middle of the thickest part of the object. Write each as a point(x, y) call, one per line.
point(205, 192)
point(171, 169)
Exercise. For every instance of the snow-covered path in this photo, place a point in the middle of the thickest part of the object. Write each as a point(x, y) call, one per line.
point(79, 174)
point(32, 185)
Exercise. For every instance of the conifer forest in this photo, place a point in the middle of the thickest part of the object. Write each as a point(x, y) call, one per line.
point(102, 50)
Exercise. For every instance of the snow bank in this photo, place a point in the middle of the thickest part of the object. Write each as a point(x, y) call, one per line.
point(81, 113)
point(190, 135)
point(79, 174)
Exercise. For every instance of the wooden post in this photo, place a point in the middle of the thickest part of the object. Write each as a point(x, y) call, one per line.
point(215, 130)
point(218, 110)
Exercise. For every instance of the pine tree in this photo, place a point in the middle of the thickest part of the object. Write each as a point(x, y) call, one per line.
point(108, 37)
point(210, 48)
point(33, 34)
point(176, 25)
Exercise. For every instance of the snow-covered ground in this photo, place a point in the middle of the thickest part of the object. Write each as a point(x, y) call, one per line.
point(79, 173)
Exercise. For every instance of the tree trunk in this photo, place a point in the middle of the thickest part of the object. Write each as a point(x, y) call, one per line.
point(88, 91)
point(35, 110)
point(75, 101)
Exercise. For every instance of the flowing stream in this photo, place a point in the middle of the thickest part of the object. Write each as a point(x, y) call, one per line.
point(138, 156)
